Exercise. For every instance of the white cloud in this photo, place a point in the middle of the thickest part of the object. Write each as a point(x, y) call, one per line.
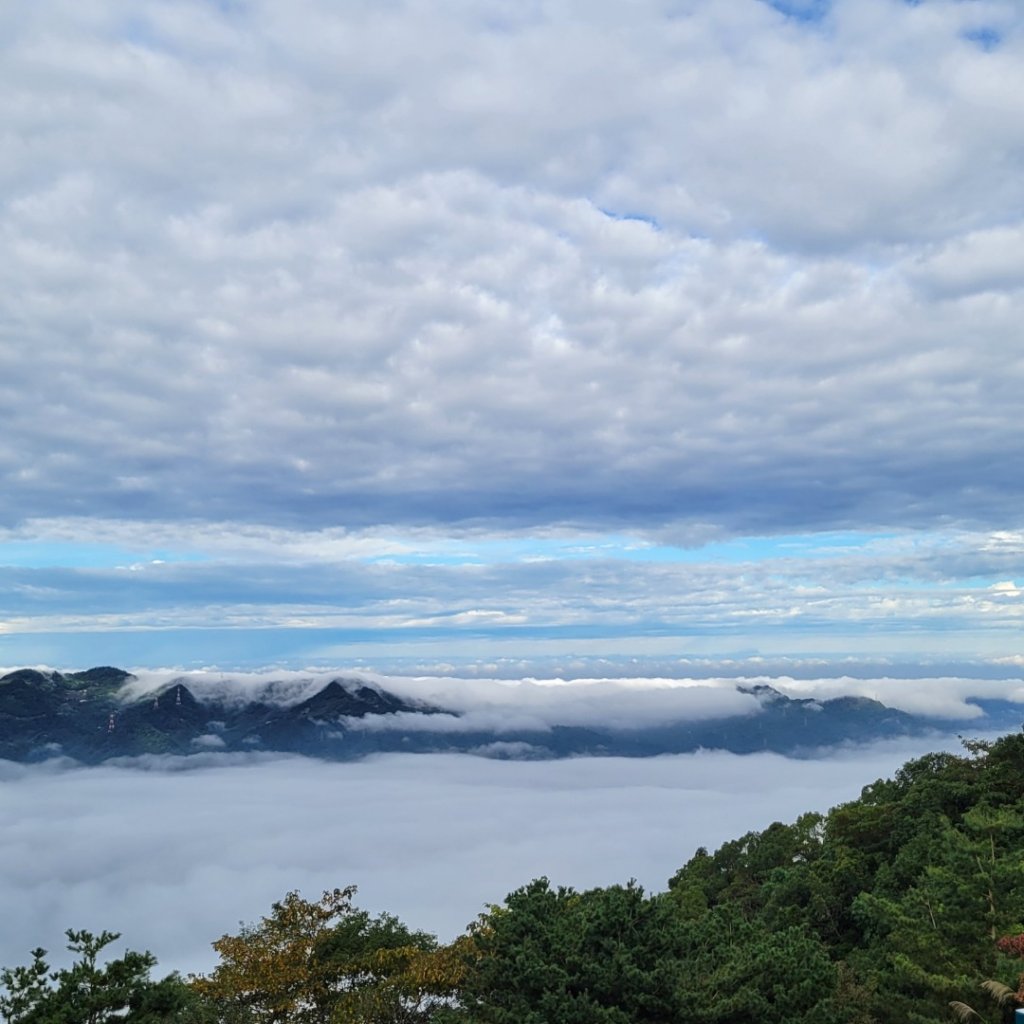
point(479, 704)
point(988, 260)
point(936, 697)
point(173, 859)
point(209, 741)
point(448, 265)
point(504, 705)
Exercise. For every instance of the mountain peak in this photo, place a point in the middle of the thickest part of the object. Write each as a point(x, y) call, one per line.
point(350, 698)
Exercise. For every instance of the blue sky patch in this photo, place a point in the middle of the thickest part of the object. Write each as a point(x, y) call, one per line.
point(809, 11)
point(75, 555)
point(985, 37)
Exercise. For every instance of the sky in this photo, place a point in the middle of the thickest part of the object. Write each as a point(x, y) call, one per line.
point(479, 346)
point(511, 337)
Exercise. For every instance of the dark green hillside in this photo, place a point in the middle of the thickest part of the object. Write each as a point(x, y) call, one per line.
point(46, 713)
point(85, 716)
point(98, 680)
point(907, 889)
point(884, 911)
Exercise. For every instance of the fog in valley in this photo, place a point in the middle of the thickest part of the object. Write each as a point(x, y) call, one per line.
point(175, 852)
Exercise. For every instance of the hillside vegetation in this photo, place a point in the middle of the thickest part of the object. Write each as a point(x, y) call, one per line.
point(887, 909)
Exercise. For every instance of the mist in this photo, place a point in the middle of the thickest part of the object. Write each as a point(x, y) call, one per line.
point(508, 705)
point(174, 852)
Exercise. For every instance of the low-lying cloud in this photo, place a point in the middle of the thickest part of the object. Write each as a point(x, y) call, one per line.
point(937, 697)
point(507, 705)
point(175, 852)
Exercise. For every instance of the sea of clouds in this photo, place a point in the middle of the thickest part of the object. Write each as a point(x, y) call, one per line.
point(173, 855)
point(174, 852)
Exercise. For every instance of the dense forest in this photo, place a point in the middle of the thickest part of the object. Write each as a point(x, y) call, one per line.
point(902, 907)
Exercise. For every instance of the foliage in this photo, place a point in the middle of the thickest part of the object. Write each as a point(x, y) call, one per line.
point(615, 955)
point(906, 889)
point(315, 962)
point(87, 993)
point(557, 955)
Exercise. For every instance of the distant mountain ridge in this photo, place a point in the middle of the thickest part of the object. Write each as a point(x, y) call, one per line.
point(91, 717)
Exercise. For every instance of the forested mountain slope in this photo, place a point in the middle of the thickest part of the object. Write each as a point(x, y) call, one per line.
point(99, 714)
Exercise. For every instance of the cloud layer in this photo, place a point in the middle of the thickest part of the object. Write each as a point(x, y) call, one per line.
point(508, 705)
point(166, 594)
point(446, 332)
point(175, 858)
point(446, 264)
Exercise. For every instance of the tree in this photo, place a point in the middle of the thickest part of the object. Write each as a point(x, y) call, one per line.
point(327, 961)
point(87, 993)
point(728, 968)
point(617, 956)
point(271, 971)
point(1011, 946)
point(557, 956)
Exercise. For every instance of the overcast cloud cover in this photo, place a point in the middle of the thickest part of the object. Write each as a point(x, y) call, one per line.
point(433, 331)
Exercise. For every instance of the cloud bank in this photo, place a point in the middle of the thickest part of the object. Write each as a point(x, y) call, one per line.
point(408, 603)
point(703, 265)
point(173, 858)
point(501, 705)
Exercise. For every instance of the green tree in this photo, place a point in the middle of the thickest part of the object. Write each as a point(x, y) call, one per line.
point(617, 956)
point(729, 968)
point(90, 993)
point(557, 956)
point(1004, 996)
